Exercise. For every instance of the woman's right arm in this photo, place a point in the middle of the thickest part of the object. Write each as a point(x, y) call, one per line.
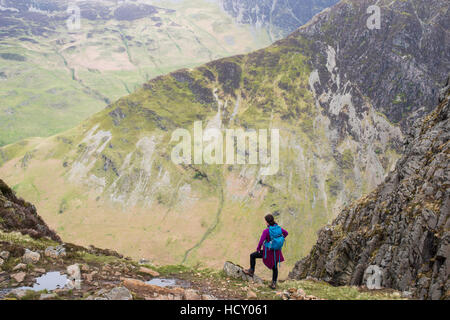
point(261, 241)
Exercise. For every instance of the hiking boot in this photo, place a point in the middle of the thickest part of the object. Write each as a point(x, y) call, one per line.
point(273, 285)
point(249, 272)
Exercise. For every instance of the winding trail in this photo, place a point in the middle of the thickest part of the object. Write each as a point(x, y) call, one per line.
point(212, 228)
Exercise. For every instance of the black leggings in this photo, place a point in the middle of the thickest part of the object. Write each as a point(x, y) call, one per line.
point(259, 255)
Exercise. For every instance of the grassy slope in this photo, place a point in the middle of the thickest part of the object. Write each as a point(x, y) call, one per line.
point(69, 76)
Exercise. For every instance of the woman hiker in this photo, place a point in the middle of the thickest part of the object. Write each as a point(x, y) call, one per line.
point(271, 258)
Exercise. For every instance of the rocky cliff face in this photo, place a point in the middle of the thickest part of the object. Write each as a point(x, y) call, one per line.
point(399, 67)
point(280, 17)
point(402, 228)
point(18, 215)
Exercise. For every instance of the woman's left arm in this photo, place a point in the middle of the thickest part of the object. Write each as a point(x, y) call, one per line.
point(285, 233)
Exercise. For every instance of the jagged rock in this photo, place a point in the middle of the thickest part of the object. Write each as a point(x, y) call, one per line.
point(55, 252)
point(19, 277)
point(237, 272)
point(119, 293)
point(31, 257)
point(401, 227)
point(208, 297)
point(1, 262)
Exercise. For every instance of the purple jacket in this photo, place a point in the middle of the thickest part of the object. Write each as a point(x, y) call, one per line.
point(269, 261)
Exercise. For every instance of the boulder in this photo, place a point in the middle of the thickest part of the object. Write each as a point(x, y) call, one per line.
point(148, 271)
point(119, 293)
point(138, 285)
point(237, 272)
point(19, 277)
point(31, 257)
point(20, 266)
point(74, 277)
point(74, 272)
point(55, 252)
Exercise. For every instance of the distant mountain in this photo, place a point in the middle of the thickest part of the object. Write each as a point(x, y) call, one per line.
point(338, 91)
point(53, 77)
point(280, 17)
point(402, 228)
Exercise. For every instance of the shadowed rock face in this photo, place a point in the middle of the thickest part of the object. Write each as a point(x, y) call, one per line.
point(281, 17)
point(399, 67)
point(402, 227)
point(18, 215)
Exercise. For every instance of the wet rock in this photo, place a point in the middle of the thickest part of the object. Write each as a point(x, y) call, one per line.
point(119, 293)
point(55, 252)
point(237, 272)
point(31, 257)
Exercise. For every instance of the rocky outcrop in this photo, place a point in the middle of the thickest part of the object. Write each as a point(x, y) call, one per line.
point(237, 272)
point(397, 236)
point(18, 215)
point(399, 67)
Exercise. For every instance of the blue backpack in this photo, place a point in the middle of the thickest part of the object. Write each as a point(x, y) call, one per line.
point(276, 241)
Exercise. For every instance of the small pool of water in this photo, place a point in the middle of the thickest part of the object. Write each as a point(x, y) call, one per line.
point(49, 281)
point(168, 283)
